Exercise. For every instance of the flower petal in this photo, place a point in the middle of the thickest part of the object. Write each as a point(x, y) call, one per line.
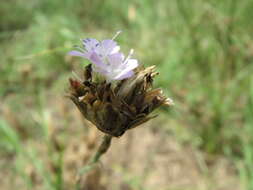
point(100, 70)
point(78, 53)
point(125, 75)
point(115, 49)
point(131, 64)
point(108, 44)
point(90, 44)
point(108, 47)
point(128, 67)
point(116, 59)
point(95, 59)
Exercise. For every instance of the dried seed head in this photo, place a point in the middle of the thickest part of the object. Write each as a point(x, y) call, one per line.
point(113, 109)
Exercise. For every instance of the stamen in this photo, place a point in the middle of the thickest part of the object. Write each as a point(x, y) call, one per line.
point(129, 55)
point(117, 33)
point(131, 52)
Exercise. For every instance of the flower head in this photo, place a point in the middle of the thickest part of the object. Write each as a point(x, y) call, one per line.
point(107, 59)
point(116, 107)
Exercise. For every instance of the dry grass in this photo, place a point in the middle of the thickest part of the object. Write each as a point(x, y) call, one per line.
point(144, 158)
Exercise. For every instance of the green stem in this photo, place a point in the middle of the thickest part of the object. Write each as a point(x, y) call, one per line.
point(104, 146)
point(102, 149)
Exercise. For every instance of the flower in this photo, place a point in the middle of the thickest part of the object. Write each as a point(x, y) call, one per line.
point(107, 58)
point(115, 107)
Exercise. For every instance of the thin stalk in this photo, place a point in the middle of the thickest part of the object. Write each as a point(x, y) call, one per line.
point(102, 149)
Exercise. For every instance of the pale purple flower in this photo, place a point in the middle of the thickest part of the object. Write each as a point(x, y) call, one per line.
point(107, 59)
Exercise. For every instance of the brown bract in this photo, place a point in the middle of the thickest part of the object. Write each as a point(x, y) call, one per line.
point(115, 108)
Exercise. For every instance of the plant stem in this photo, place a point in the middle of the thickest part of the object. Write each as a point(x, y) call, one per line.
point(102, 149)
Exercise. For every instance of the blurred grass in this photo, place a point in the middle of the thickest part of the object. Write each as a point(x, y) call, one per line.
point(203, 51)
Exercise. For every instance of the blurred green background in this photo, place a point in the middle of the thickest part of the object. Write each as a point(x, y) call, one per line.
point(203, 50)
